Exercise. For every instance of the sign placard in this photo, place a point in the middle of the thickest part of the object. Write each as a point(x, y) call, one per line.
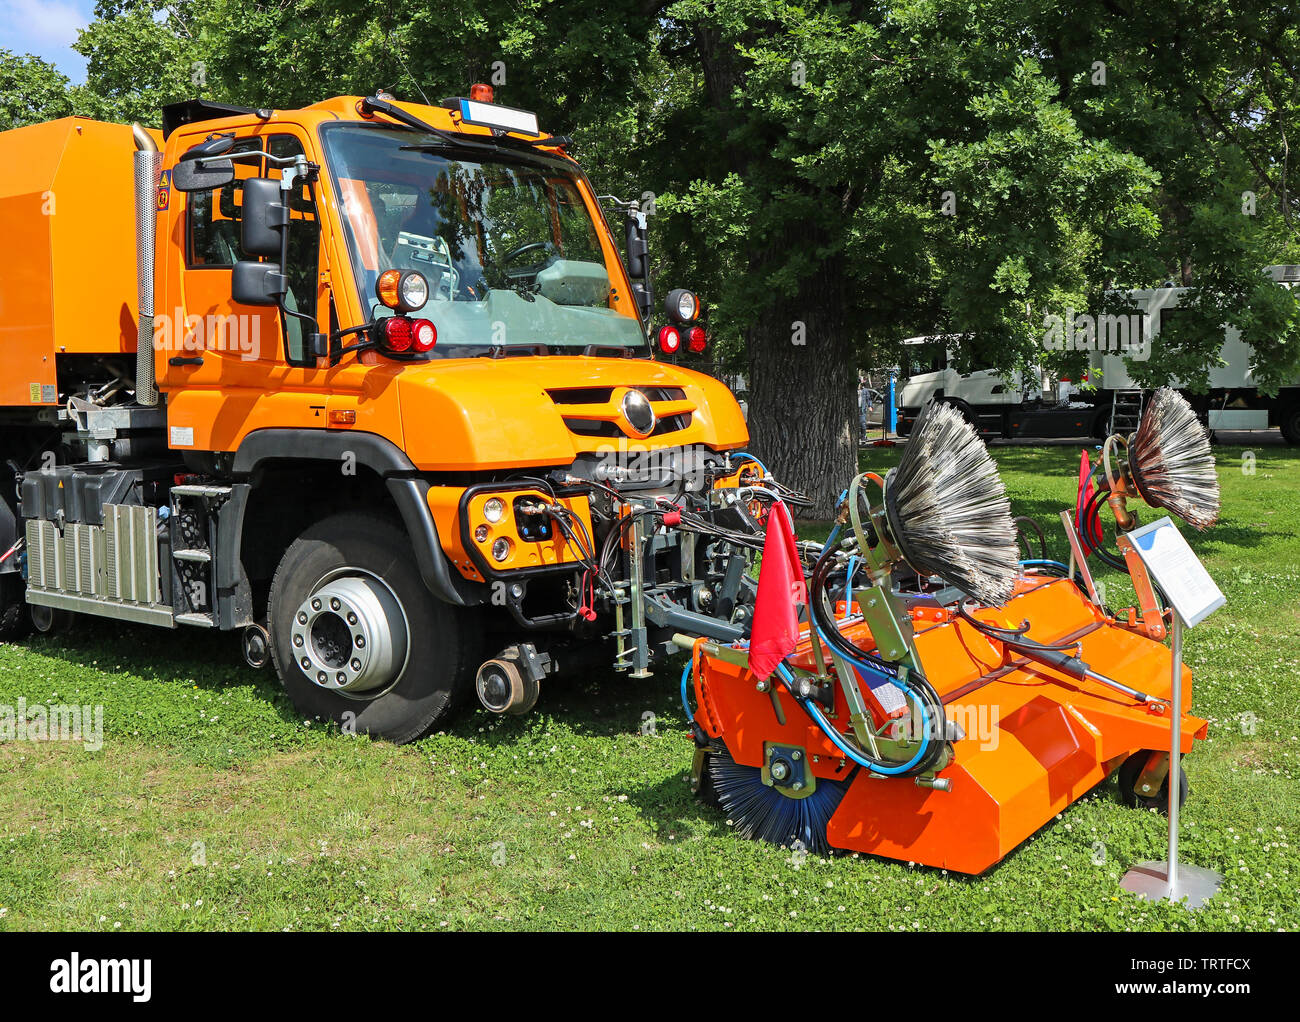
point(1177, 570)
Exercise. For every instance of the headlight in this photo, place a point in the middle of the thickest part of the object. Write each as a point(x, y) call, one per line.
point(414, 290)
point(402, 290)
point(501, 549)
point(682, 306)
point(494, 510)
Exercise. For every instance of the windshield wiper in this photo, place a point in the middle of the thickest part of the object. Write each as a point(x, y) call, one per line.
point(513, 350)
point(499, 139)
point(373, 103)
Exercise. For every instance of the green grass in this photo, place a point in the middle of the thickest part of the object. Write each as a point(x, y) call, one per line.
point(212, 806)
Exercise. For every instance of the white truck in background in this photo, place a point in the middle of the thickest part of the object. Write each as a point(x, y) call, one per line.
point(997, 404)
point(1109, 400)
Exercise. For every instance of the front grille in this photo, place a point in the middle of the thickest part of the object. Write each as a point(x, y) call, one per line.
point(582, 395)
point(586, 425)
point(604, 428)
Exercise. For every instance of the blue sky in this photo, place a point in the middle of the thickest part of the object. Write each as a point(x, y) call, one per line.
point(47, 28)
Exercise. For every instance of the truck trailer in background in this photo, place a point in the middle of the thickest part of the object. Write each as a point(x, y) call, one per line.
point(1107, 399)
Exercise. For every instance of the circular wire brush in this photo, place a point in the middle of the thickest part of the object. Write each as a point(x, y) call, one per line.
point(761, 813)
point(948, 510)
point(1170, 461)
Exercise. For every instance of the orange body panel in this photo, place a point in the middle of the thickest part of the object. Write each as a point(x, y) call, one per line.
point(444, 503)
point(68, 278)
point(447, 415)
point(1036, 740)
point(69, 286)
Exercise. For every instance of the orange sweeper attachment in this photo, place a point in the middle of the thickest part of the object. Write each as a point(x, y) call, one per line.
point(939, 699)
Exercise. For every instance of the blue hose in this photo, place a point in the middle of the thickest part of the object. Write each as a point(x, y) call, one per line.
point(686, 676)
point(1046, 564)
point(746, 454)
point(814, 711)
point(835, 530)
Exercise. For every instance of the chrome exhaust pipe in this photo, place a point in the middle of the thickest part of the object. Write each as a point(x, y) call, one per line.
point(148, 164)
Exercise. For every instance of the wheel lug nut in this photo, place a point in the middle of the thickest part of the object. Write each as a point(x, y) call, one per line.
point(356, 665)
point(302, 617)
point(315, 604)
point(361, 642)
point(297, 640)
point(305, 663)
point(321, 677)
point(352, 619)
point(334, 603)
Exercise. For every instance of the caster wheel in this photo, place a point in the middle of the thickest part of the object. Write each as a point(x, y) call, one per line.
point(48, 620)
point(1128, 777)
point(503, 687)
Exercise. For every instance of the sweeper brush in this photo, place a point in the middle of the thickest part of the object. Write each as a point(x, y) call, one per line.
point(760, 812)
point(1171, 462)
point(929, 697)
point(948, 509)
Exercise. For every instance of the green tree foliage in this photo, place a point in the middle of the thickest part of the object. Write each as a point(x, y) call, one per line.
point(835, 177)
point(31, 91)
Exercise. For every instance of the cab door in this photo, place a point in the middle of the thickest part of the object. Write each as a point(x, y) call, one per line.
point(222, 362)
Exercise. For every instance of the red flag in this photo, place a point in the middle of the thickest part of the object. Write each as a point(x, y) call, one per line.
point(1089, 532)
point(781, 590)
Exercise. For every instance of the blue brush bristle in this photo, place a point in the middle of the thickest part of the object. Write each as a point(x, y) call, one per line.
point(761, 813)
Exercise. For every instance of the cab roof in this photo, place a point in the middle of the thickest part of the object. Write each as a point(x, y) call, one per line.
point(449, 115)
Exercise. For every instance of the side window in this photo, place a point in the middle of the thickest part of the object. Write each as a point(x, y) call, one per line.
point(212, 218)
point(213, 224)
point(304, 255)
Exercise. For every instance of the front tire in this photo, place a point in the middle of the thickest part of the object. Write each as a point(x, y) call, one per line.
point(358, 639)
point(1291, 424)
point(14, 619)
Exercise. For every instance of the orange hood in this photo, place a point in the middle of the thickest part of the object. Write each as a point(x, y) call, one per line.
point(493, 413)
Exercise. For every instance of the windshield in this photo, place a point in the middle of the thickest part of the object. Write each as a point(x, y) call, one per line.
point(512, 257)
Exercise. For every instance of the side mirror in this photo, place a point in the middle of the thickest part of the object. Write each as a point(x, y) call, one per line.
point(254, 283)
point(265, 217)
point(638, 262)
point(202, 175)
point(201, 170)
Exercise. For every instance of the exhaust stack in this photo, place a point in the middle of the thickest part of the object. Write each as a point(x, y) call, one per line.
point(148, 163)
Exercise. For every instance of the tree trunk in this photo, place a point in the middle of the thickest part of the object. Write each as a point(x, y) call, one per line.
point(803, 393)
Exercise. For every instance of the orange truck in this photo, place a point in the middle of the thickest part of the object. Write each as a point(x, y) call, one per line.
point(369, 383)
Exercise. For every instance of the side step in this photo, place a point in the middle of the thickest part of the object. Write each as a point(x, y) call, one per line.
point(193, 521)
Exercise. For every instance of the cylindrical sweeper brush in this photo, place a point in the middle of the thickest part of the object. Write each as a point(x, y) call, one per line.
point(1171, 462)
point(947, 508)
point(944, 511)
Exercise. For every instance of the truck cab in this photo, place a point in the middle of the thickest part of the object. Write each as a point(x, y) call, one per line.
point(997, 403)
point(397, 415)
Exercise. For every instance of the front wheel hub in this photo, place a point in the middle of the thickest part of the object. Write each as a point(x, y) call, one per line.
point(350, 635)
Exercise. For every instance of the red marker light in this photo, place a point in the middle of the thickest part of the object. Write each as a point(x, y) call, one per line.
point(424, 335)
point(397, 334)
point(696, 339)
point(481, 93)
point(670, 339)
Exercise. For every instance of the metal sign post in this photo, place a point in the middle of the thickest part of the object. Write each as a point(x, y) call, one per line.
point(1194, 596)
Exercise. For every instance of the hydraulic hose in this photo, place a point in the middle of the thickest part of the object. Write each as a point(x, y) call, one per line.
point(838, 740)
point(686, 677)
point(917, 688)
